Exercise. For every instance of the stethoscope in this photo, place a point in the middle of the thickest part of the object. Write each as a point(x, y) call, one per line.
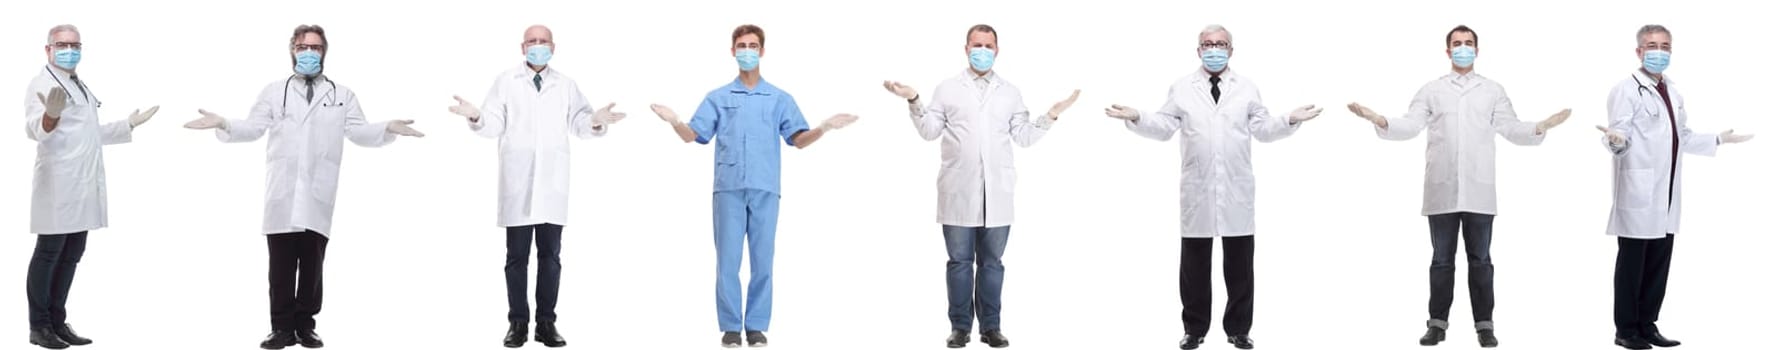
point(332, 94)
point(82, 85)
point(1641, 89)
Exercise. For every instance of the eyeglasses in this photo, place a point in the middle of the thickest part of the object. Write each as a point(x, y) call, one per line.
point(307, 47)
point(59, 45)
point(1213, 45)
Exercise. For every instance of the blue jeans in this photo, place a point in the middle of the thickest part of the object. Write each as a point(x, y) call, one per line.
point(749, 216)
point(1477, 236)
point(974, 273)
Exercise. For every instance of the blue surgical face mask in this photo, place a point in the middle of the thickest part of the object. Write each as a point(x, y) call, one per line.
point(1655, 61)
point(538, 55)
point(981, 58)
point(308, 63)
point(67, 58)
point(748, 59)
point(1463, 56)
point(1215, 60)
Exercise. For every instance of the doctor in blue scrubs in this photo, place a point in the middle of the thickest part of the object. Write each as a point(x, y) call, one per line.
point(747, 118)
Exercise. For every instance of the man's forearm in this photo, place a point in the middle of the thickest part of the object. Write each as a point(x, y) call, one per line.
point(807, 137)
point(49, 124)
point(685, 132)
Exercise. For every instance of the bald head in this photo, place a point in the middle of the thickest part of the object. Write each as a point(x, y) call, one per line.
point(537, 32)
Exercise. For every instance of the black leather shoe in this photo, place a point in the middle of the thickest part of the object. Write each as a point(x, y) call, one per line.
point(731, 339)
point(1190, 342)
point(46, 337)
point(68, 336)
point(1633, 343)
point(1486, 337)
point(1241, 341)
point(756, 339)
point(278, 340)
point(547, 334)
point(995, 339)
point(308, 339)
point(1433, 336)
point(959, 338)
point(1653, 338)
point(515, 334)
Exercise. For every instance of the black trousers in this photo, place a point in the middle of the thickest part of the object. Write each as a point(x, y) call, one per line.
point(549, 270)
point(1640, 284)
point(294, 272)
point(1194, 284)
point(1478, 236)
point(51, 274)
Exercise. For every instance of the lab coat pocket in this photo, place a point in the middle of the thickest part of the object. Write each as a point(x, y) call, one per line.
point(1005, 179)
point(1241, 192)
point(325, 177)
point(1441, 170)
point(957, 194)
point(1634, 189)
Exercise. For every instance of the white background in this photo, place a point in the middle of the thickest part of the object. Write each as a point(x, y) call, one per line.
point(416, 260)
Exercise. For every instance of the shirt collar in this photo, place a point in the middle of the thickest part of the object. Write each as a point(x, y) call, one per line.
point(1227, 75)
point(992, 78)
point(58, 72)
point(1646, 80)
point(764, 88)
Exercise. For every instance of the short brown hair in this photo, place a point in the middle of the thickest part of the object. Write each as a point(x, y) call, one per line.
point(1462, 29)
point(305, 30)
point(745, 29)
point(982, 28)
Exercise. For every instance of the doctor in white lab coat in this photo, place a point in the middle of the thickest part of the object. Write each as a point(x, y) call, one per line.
point(1646, 135)
point(1217, 114)
point(309, 117)
point(533, 109)
point(1461, 112)
point(979, 116)
point(67, 183)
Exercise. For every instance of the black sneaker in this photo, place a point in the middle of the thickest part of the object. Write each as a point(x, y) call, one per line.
point(756, 339)
point(994, 339)
point(1486, 337)
point(731, 339)
point(1433, 336)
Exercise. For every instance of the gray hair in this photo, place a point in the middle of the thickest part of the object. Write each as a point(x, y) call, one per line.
point(58, 30)
point(1217, 28)
point(1650, 29)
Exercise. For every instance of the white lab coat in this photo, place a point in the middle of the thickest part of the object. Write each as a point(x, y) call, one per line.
point(304, 152)
point(533, 128)
point(979, 119)
point(1646, 165)
point(68, 181)
point(1216, 175)
point(1461, 114)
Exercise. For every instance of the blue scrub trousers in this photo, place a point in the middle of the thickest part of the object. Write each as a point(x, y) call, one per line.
point(744, 216)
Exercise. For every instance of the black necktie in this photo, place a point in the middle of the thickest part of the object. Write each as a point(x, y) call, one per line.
point(537, 81)
point(1215, 91)
point(310, 82)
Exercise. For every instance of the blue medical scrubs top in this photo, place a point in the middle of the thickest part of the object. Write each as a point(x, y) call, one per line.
point(746, 125)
